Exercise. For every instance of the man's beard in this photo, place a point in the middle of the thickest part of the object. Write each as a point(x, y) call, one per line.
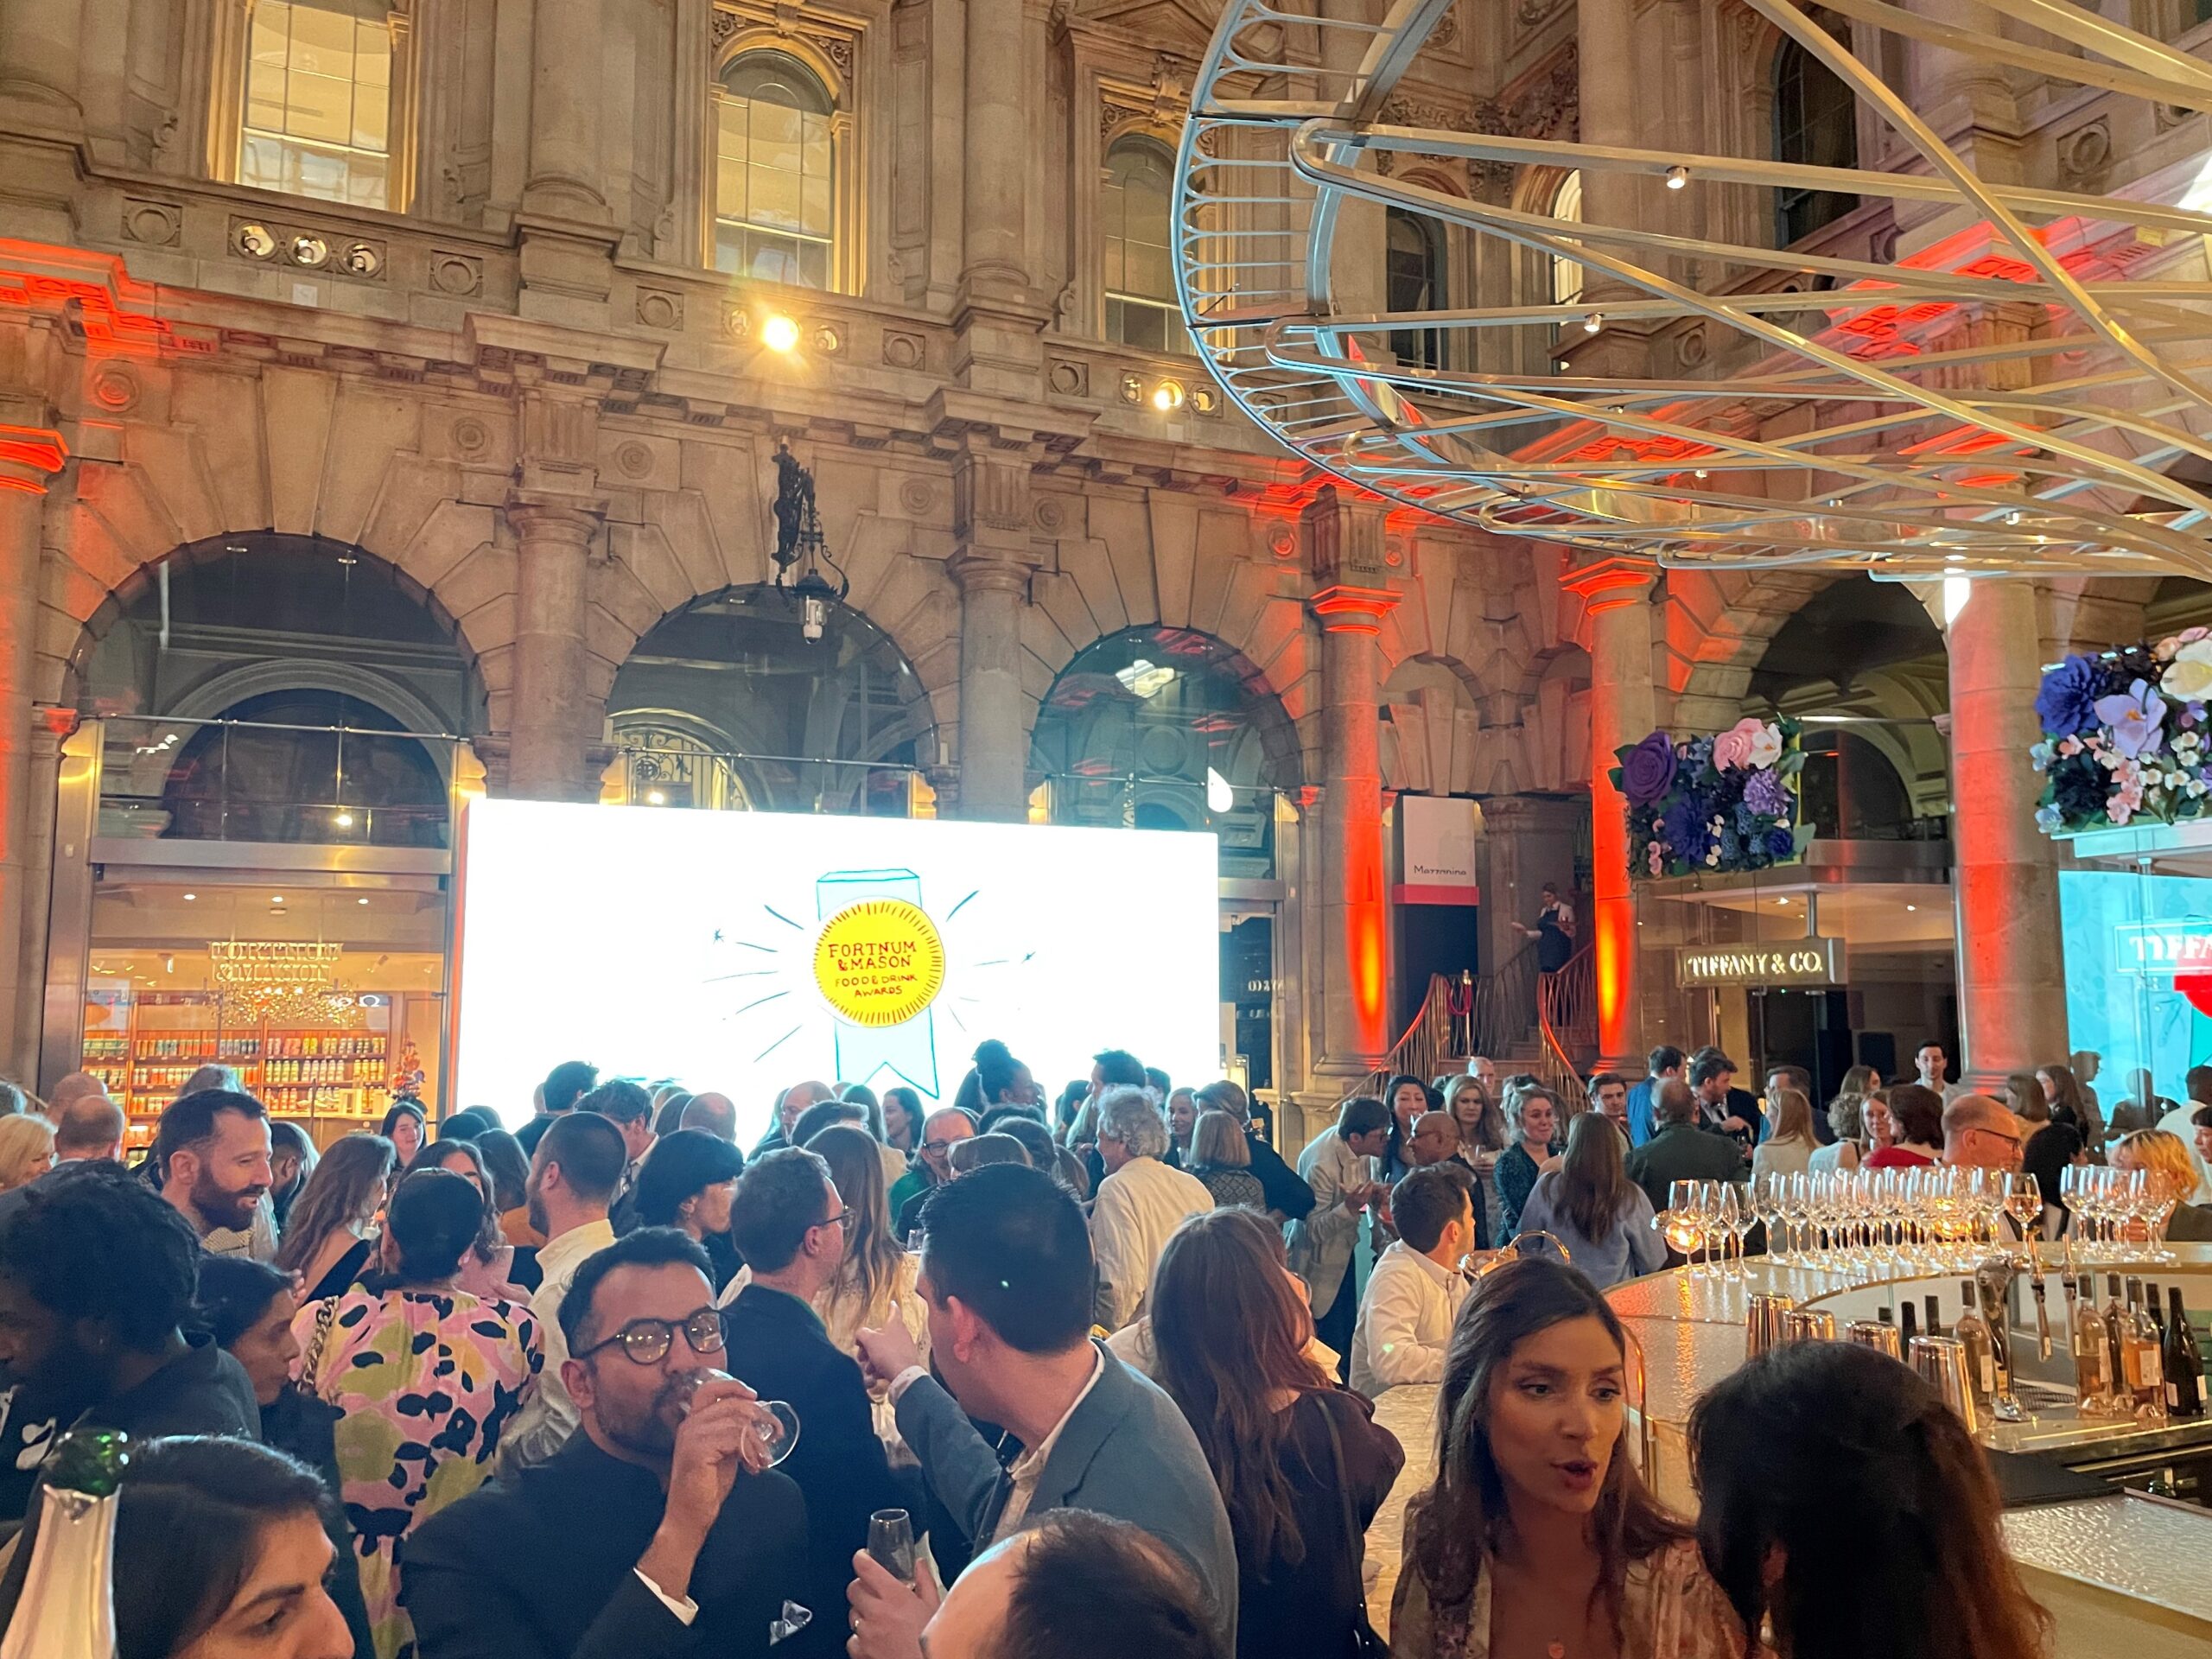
point(540, 1222)
point(650, 1433)
point(219, 1208)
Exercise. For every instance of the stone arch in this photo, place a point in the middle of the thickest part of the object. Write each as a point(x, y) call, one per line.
point(292, 452)
point(1717, 626)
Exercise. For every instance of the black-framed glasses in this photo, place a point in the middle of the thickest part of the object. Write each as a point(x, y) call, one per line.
point(843, 1219)
point(647, 1342)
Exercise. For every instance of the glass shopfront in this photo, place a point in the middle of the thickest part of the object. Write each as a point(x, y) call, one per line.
point(2138, 931)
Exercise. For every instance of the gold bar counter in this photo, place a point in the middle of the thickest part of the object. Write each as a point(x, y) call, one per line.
point(2126, 1575)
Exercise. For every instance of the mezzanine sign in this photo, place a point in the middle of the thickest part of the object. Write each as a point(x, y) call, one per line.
point(1796, 964)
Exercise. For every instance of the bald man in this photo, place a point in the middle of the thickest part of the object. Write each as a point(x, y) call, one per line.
point(1982, 1133)
point(715, 1114)
point(86, 1127)
point(791, 1106)
point(77, 1085)
point(1435, 1138)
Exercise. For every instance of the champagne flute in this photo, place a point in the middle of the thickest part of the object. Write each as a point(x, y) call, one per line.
point(1741, 1220)
point(2023, 1202)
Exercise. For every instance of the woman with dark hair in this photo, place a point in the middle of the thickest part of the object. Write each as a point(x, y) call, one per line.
point(329, 1243)
point(902, 1119)
point(221, 1552)
point(248, 1307)
point(990, 1078)
point(1918, 1112)
point(406, 1126)
point(2024, 1094)
point(1407, 1098)
point(688, 1181)
point(508, 1165)
point(668, 1114)
point(292, 1159)
point(1538, 1536)
point(2071, 1104)
point(820, 1115)
point(484, 1270)
point(2048, 1151)
point(428, 1376)
point(1590, 1206)
point(1826, 1468)
point(1301, 1465)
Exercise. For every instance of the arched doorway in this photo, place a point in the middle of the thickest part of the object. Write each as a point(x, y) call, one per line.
point(725, 704)
point(259, 831)
point(1166, 728)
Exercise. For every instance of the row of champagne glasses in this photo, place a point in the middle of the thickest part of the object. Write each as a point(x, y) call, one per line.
point(2121, 1214)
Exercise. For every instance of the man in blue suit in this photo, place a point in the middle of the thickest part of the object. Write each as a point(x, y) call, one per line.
point(1664, 1064)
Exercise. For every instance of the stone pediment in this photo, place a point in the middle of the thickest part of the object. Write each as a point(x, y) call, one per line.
point(1162, 23)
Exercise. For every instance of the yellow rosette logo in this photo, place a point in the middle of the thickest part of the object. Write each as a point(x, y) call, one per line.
point(879, 962)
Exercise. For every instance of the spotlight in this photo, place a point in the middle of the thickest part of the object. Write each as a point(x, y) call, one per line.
point(189, 897)
point(1592, 323)
point(654, 797)
point(342, 818)
point(779, 334)
point(1167, 397)
point(1677, 177)
point(1700, 472)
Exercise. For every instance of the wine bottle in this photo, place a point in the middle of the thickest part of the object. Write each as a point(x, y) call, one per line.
point(68, 1607)
point(2184, 1362)
point(1908, 1324)
point(2092, 1369)
point(1934, 1318)
point(1974, 1337)
point(2147, 1380)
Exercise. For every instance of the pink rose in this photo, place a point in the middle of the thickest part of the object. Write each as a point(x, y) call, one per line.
point(1733, 748)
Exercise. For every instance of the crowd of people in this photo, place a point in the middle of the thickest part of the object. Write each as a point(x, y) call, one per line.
point(447, 1391)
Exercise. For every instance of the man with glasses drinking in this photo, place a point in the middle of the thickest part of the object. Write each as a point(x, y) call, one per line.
point(789, 1224)
point(658, 1529)
point(1980, 1132)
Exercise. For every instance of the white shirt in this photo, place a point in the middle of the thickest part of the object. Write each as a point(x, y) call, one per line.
point(1031, 1463)
point(1139, 1204)
point(1404, 1322)
point(2177, 1123)
point(550, 1416)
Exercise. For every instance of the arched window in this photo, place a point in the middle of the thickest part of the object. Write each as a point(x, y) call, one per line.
point(1135, 203)
point(775, 183)
point(1566, 274)
point(1414, 282)
point(318, 101)
point(1815, 125)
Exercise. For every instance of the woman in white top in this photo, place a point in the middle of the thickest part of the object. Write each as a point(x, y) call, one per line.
point(1790, 1149)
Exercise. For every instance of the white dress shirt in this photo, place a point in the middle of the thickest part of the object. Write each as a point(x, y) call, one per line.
point(550, 1416)
point(1404, 1321)
point(1030, 1464)
point(1139, 1204)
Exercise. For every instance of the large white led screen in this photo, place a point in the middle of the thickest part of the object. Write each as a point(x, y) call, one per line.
point(745, 951)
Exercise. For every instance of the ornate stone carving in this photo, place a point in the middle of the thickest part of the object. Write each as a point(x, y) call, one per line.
point(458, 273)
point(904, 351)
point(155, 223)
point(660, 308)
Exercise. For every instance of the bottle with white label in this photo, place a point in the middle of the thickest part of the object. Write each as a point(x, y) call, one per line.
point(1974, 1337)
point(2146, 1379)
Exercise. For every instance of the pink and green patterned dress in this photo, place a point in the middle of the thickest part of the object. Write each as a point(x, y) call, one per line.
point(427, 1380)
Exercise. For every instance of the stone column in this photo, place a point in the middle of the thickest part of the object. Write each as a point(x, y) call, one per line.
point(992, 564)
point(28, 457)
point(996, 169)
point(1609, 59)
point(2012, 963)
point(567, 64)
point(1624, 708)
point(1343, 545)
point(546, 734)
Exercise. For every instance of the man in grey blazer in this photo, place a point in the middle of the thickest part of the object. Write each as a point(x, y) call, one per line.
point(1007, 1274)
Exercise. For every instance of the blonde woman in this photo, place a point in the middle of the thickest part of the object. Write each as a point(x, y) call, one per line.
point(876, 1271)
point(2171, 1172)
point(26, 1149)
point(1790, 1149)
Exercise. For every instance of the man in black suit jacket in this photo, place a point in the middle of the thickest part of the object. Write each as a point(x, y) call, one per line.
point(790, 1224)
point(656, 1531)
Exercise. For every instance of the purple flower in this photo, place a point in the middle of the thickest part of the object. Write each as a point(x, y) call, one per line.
point(2134, 716)
point(2067, 703)
point(1766, 793)
point(1686, 830)
point(1781, 843)
point(1647, 770)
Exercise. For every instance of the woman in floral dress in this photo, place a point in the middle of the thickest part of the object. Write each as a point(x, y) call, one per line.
point(428, 1376)
point(1538, 1541)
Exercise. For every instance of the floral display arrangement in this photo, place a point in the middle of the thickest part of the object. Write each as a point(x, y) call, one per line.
point(2124, 736)
point(1713, 804)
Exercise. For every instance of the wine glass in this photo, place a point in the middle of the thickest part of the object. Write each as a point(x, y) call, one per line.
point(1766, 1204)
point(1741, 1219)
point(776, 1424)
point(891, 1542)
point(2023, 1202)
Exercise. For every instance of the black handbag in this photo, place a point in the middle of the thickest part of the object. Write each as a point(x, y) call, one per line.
point(1366, 1641)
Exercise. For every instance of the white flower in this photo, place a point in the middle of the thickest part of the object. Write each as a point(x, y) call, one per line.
point(2189, 676)
point(1766, 745)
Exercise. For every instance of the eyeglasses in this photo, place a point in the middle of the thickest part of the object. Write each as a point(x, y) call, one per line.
point(647, 1342)
point(843, 1219)
point(941, 1147)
